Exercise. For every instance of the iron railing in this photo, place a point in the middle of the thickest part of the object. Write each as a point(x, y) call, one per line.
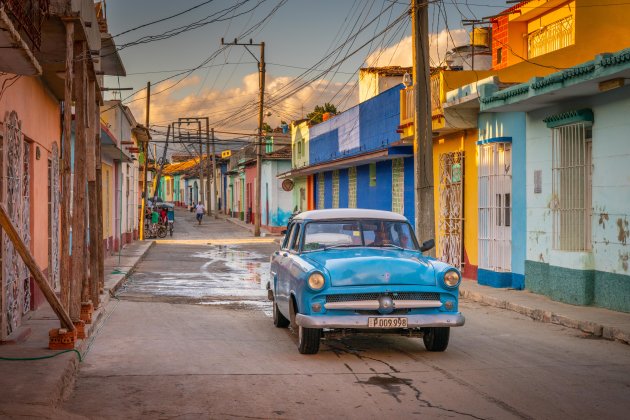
point(550, 38)
point(28, 16)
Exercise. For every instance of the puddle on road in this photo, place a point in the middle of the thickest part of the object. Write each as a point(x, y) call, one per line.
point(264, 306)
point(225, 271)
point(391, 384)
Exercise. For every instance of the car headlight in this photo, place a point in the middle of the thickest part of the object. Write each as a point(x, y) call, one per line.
point(452, 278)
point(316, 281)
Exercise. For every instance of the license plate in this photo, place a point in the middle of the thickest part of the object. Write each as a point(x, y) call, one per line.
point(388, 322)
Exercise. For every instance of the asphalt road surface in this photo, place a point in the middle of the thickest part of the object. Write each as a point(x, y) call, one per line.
point(192, 337)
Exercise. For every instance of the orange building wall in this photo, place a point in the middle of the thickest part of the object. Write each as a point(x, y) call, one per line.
point(39, 111)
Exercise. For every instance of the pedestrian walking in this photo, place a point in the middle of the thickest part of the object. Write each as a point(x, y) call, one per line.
point(200, 210)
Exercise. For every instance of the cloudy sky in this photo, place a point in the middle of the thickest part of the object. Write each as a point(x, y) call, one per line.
point(313, 51)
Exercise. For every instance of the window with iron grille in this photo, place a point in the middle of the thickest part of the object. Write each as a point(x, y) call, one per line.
point(398, 185)
point(320, 191)
point(372, 174)
point(335, 189)
point(352, 188)
point(572, 187)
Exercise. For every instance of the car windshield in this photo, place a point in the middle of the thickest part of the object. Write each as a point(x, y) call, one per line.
point(371, 233)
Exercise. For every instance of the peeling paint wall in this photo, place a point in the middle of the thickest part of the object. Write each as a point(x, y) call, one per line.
point(603, 272)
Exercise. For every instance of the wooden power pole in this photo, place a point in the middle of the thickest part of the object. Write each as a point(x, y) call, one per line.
point(423, 140)
point(208, 169)
point(145, 148)
point(261, 83)
point(215, 208)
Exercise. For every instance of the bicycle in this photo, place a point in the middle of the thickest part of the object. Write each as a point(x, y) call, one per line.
point(154, 230)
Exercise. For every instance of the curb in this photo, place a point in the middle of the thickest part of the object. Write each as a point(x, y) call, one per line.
point(593, 328)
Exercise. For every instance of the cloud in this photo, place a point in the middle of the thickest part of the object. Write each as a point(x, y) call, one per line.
point(223, 106)
point(401, 53)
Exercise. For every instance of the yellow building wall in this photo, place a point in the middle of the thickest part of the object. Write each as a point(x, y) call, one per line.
point(598, 29)
point(300, 133)
point(451, 80)
point(464, 140)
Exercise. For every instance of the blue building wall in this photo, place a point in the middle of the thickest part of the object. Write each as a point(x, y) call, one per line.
point(366, 127)
point(510, 124)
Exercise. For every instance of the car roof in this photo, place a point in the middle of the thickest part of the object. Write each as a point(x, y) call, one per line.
point(332, 214)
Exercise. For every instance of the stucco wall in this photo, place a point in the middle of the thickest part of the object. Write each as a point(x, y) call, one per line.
point(39, 112)
point(366, 127)
point(600, 276)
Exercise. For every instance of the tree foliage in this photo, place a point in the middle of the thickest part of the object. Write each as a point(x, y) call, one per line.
point(316, 116)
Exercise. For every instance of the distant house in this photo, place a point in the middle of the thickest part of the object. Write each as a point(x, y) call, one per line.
point(355, 159)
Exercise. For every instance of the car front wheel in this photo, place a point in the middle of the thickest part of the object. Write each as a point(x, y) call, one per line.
point(436, 338)
point(308, 340)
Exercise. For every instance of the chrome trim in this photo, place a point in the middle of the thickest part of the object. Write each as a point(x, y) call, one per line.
point(373, 305)
point(365, 305)
point(361, 321)
point(417, 304)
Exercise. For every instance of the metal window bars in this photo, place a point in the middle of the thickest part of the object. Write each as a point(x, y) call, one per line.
point(320, 190)
point(495, 187)
point(571, 187)
point(451, 208)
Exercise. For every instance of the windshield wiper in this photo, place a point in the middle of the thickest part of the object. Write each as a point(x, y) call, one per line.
point(387, 246)
point(339, 246)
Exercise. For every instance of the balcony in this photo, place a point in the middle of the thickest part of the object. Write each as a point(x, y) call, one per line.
point(445, 120)
point(407, 113)
point(21, 35)
point(555, 36)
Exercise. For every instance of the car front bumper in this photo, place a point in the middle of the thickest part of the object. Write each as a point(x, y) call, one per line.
point(361, 321)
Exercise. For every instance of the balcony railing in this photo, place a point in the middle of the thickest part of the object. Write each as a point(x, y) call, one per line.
point(28, 16)
point(550, 38)
point(408, 105)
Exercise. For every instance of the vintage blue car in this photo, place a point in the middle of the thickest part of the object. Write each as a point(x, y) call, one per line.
point(343, 271)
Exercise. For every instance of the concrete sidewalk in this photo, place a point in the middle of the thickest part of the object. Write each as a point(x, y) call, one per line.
point(32, 387)
point(595, 321)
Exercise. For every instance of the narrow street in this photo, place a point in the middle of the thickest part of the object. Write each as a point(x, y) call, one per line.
point(192, 337)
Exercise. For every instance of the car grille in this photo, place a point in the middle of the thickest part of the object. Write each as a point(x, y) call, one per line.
point(353, 297)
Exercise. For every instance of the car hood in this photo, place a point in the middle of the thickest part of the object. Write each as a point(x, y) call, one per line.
point(373, 266)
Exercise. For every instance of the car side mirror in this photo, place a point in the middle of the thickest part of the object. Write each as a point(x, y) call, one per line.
point(427, 245)
point(283, 232)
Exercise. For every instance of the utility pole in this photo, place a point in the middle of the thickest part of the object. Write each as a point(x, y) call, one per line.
point(145, 148)
point(208, 169)
point(214, 178)
point(261, 83)
point(423, 141)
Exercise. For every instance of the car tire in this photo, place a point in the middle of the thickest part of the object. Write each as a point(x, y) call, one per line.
point(279, 320)
point(436, 338)
point(308, 340)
